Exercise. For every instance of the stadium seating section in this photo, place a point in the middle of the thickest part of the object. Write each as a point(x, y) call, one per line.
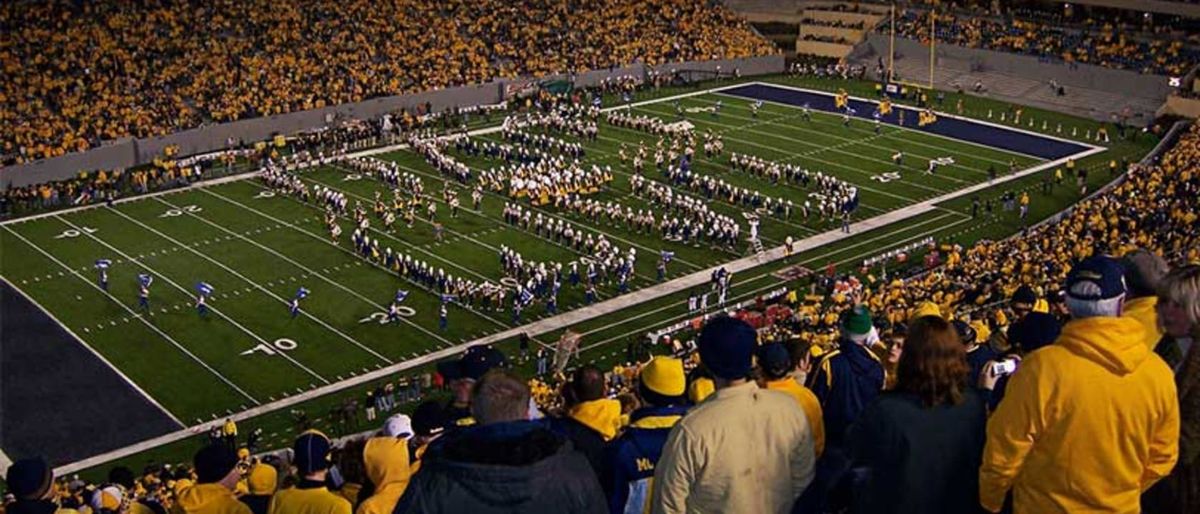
point(80, 74)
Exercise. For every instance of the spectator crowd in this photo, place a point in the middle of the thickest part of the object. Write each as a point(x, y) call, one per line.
point(80, 73)
point(1103, 44)
point(1052, 372)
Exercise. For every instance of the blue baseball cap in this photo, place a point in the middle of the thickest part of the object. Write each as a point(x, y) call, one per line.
point(1096, 278)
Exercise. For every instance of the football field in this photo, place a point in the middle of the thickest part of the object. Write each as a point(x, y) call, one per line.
point(257, 247)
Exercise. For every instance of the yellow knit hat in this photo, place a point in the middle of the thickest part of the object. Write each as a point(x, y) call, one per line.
point(664, 375)
point(262, 479)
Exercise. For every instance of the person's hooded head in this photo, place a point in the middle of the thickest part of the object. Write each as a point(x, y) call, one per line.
point(1096, 288)
point(386, 461)
point(774, 361)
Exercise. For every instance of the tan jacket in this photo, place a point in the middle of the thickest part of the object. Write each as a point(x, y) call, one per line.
point(744, 449)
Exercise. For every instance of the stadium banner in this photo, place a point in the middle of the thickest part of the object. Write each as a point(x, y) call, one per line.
point(523, 89)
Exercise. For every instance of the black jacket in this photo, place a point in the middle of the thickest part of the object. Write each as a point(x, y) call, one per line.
point(517, 467)
point(586, 441)
point(914, 459)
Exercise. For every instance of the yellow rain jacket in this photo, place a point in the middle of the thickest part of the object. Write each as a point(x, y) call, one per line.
point(208, 499)
point(1142, 309)
point(603, 416)
point(386, 462)
point(1086, 425)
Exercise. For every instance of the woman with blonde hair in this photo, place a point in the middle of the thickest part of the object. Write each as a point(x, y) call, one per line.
point(1179, 315)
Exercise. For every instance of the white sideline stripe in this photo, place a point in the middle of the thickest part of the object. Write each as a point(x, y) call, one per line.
point(186, 292)
point(127, 199)
point(774, 284)
point(94, 353)
point(311, 272)
point(135, 315)
point(254, 284)
point(584, 313)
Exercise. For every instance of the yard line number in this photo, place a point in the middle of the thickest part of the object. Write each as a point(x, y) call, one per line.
point(69, 233)
point(171, 213)
point(280, 345)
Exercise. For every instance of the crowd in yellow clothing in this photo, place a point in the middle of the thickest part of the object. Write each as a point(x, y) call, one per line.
point(1104, 44)
point(77, 74)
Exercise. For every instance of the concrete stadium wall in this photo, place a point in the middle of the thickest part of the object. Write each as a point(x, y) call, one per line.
point(973, 59)
point(854, 35)
point(127, 153)
point(823, 49)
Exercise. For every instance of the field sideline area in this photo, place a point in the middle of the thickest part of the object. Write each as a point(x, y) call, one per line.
point(250, 358)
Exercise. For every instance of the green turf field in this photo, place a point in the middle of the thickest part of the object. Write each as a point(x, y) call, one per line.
point(257, 247)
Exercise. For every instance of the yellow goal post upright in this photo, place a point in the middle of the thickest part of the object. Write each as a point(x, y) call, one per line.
point(891, 72)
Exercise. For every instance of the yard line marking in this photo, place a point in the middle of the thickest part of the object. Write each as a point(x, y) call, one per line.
point(131, 311)
point(185, 290)
point(848, 142)
point(254, 285)
point(896, 131)
point(813, 158)
point(326, 241)
point(306, 269)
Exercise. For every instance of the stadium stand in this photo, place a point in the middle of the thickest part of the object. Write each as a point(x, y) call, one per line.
point(122, 69)
point(1106, 46)
point(957, 386)
point(1006, 297)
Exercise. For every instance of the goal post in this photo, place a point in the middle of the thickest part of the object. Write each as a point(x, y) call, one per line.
point(891, 72)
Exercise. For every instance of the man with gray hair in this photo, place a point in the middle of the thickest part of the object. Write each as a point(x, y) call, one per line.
point(1143, 271)
point(505, 463)
point(1089, 422)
